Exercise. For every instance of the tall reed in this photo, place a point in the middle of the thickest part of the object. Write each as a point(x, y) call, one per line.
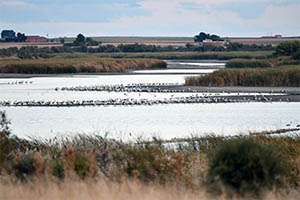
point(280, 76)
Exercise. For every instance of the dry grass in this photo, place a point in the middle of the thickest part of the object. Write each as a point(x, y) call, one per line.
point(288, 76)
point(7, 45)
point(75, 190)
point(79, 63)
point(128, 190)
point(262, 41)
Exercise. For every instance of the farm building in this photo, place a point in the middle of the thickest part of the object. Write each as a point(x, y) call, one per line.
point(272, 37)
point(34, 38)
point(209, 42)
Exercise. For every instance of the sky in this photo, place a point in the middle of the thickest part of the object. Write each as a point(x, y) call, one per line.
point(227, 18)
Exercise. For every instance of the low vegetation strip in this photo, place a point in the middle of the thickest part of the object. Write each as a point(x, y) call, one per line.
point(193, 55)
point(288, 76)
point(77, 63)
point(246, 63)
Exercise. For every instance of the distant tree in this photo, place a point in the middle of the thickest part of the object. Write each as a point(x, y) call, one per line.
point(62, 40)
point(80, 40)
point(90, 42)
point(21, 37)
point(203, 36)
point(296, 55)
point(215, 38)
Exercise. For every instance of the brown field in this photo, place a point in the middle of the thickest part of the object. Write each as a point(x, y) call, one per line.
point(259, 41)
point(5, 45)
point(158, 41)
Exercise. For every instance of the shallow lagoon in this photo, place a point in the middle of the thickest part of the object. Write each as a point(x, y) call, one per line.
point(166, 121)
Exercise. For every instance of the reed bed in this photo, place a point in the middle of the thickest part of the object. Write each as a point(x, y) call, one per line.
point(247, 63)
point(288, 76)
point(77, 63)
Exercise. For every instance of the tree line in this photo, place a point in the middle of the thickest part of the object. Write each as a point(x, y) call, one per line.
point(204, 36)
point(10, 36)
point(32, 52)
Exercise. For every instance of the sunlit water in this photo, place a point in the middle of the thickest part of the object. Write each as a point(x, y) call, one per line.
point(125, 122)
point(166, 121)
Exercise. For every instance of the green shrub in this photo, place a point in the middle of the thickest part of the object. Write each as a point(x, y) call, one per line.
point(288, 48)
point(57, 168)
point(150, 163)
point(245, 167)
point(24, 167)
point(81, 165)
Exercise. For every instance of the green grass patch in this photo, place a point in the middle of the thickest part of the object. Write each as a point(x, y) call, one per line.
point(246, 63)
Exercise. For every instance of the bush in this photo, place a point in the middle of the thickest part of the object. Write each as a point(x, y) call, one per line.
point(24, 168)
point(245, 167)
point(57, 168)
point(289, 48)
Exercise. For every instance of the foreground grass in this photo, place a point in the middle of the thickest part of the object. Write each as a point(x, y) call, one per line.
point(77, 190)
point(76, 63)
point(280, 76)
point(88, 166)
point(128, 190)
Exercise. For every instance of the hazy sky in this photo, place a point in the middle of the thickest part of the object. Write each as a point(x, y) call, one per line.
point(151, 17)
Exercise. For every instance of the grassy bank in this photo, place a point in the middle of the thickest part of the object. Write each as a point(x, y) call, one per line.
point(76, 63)
point(280, 76)
point(192, 55)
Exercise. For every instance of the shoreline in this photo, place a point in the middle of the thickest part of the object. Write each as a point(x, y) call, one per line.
point(24, 76)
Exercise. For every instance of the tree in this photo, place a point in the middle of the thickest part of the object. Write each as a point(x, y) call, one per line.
point(215, 38)
point(21, 37)
point(90, 42)
point(62, 40)
point(203, 36)
point(80, 40)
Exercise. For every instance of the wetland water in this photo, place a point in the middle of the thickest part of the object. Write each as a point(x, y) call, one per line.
point(166, 121)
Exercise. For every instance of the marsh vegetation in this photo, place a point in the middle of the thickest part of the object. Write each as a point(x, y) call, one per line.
point(76, 63)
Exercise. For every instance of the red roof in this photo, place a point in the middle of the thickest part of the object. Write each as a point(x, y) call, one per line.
point(36, 39)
